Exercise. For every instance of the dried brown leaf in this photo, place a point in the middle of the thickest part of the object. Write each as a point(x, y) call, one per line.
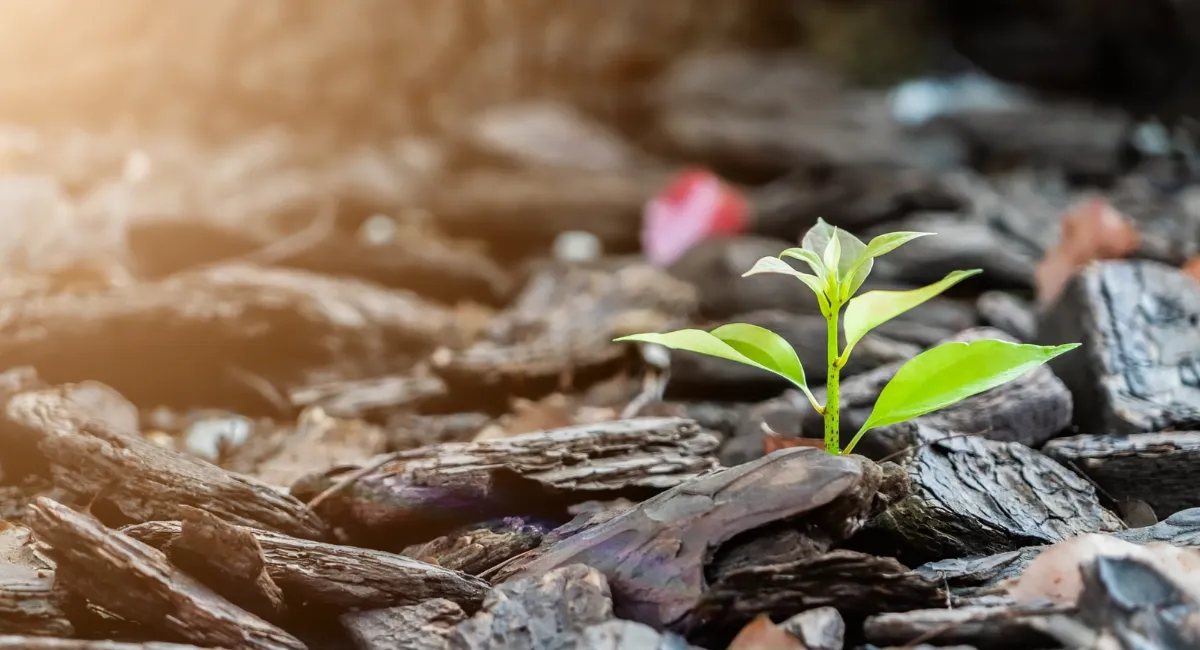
point(762, 634)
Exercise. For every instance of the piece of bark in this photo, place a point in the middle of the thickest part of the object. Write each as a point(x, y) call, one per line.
point(568, 608)
point(1008, 313)
point(1030, 409)
point(1156, 468)
point(229, 560)
point(13, 642)
point(564, 322)
point(278, 325)
point(974, 497)
point(980, 574)
point(137, 583)
point(479, 548)
point(425, 626)
point(821, 628)
point(538, 612)
point(654, 554)
point(32, 601)
point(986, 628)
point(1136, 367)
point(340, 578)
point(855, 583)
point(372, 398)
point(422, 493)
point(144, 481)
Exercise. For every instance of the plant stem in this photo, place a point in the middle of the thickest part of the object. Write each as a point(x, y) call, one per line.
point(832, 425)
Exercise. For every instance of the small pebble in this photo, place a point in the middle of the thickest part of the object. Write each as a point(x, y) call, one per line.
point(577, 246)
point(208, 438)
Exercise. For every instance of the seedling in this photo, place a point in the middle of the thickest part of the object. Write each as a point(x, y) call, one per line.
point(840, 263)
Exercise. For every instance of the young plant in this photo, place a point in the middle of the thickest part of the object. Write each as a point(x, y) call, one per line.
point(840, 263)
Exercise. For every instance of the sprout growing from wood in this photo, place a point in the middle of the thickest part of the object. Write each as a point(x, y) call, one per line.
point(840, 264)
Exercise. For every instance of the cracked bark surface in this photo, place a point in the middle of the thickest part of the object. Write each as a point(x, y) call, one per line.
point(276, 324)
point(339, 577)
point(974, 496)
point(141, 480)
point(565, 321)
point(1157, 468)
point(479, 548)
point(137, 583)
point(1136, 367)
point(1030, 409)
point(979, 574)
point(426, 626)
point(422, 493)
point(654, 554)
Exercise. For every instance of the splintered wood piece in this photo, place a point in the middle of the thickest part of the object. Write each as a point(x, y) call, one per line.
point(137, 583)
point(229, 560)
point(30, 603)
point(432, 490)
point(977, 497)
point(275, 324)
point(478, 548)
point(1030, 409)
point(145, 481)
point(426, 626)
point(339, 577)
point(992, 627)
point(852, 582)
point(654, 554)
point(1157, 468)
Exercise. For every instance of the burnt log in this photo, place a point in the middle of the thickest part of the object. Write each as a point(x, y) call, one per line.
point(137, 583)
point(1158, 469)
point(1136, 366)
point(973, 496)
point(339, 578)
point(422, 493)
point(1030, 409)
point(136, 480)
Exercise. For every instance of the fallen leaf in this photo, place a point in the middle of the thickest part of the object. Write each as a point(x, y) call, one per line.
point(695, 206)
point(762, 634)
point(1091, 230)
point(1192, 268)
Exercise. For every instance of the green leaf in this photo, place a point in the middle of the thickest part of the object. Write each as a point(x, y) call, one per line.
point(741, 342)
point(812, 259)
point(776, 265)
point(952, 372)
point(817, 238)
point(831, 259)
point(861, 267)
point(874, 308)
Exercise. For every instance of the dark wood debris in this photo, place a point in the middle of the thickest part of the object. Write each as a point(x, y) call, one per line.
point(435, 489)
point(1155, 468)
point(138, 583)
